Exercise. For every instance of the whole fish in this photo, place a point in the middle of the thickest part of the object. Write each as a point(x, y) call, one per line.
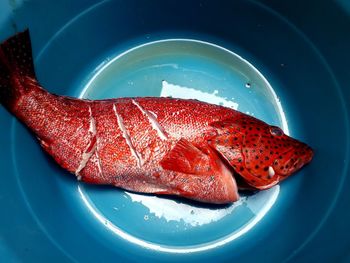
point(150, 145)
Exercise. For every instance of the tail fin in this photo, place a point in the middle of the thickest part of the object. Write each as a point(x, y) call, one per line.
point(16, 64)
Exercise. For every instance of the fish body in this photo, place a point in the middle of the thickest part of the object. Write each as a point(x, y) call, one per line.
point(150, 145)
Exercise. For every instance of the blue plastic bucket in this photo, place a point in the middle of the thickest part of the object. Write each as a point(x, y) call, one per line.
point(283, 62)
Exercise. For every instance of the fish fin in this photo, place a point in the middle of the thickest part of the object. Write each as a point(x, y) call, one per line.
point(187, 158)
point(16, 66)
point(201, 174)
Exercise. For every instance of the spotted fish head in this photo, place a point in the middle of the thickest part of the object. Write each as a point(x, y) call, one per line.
point(260, 153)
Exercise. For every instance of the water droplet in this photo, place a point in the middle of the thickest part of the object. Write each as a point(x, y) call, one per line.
point(248, 85)
point(146, 217)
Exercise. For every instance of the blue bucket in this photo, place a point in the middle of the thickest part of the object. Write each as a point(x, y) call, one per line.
point(282, 62)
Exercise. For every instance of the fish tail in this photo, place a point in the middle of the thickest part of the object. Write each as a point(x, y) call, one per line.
point(16, 67)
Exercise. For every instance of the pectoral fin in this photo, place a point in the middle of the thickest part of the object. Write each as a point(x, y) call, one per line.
point(189, 159)
point(200, 173)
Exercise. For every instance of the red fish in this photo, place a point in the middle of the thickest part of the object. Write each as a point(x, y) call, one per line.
point(150, 145)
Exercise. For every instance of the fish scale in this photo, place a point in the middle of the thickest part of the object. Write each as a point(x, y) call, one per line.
point(150, 145)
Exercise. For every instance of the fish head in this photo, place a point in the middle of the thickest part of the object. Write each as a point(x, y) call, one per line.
point(261, 154)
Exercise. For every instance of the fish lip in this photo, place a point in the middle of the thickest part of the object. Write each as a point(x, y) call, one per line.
point(299, 163)
point(305, 158)
point(309, 154)
point(272, 184)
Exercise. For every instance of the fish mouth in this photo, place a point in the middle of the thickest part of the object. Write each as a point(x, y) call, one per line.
point(295, 162)
point(304, 159)
point(309, 155)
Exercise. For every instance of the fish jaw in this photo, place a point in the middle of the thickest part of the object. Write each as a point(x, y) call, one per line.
point(294, 163)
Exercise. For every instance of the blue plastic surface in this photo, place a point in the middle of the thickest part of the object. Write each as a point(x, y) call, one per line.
point(283, 62)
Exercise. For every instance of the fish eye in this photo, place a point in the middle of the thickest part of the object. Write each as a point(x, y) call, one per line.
point(275, 131)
